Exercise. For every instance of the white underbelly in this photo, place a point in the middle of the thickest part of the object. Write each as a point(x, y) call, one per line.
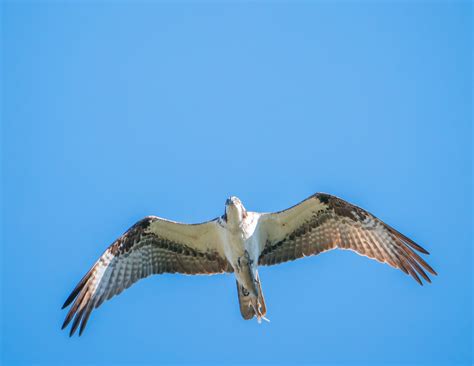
point(234, 246)
point(252, 247)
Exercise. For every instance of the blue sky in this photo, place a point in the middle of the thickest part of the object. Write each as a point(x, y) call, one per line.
point(114, 111)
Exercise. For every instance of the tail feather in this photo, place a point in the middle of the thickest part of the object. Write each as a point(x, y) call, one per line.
point(249, 305)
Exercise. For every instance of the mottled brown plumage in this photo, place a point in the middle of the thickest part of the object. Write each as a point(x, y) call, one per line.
point(342, 225)
point(238, 242)
point(137, 254)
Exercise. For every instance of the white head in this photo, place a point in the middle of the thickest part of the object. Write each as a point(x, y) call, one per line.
point(235, 211)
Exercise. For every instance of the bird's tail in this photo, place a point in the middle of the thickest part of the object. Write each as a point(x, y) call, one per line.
point(251, 306)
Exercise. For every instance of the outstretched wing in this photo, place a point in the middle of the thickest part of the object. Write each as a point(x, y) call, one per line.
point(324, 222)
point(151, 246)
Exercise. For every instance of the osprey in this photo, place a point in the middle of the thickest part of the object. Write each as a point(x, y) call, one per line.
point(239, 241)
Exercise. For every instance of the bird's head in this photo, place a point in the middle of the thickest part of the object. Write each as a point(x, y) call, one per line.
point(234, 210)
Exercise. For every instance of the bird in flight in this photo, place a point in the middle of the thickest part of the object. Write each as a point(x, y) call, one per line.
point(239, 241)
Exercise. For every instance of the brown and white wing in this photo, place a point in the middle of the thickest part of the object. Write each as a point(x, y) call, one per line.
point(324, 222)
point(151, 246)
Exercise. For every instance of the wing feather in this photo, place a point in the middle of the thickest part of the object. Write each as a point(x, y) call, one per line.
point(151, 246)
point(324, 222)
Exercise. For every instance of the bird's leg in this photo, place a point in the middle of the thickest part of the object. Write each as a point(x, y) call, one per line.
point(255, 303)
point(245, 274)
point(248, 277)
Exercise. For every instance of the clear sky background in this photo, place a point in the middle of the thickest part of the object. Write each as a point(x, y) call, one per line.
point(116, 111)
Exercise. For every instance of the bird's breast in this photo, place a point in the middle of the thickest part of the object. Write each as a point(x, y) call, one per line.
point(234, 245)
